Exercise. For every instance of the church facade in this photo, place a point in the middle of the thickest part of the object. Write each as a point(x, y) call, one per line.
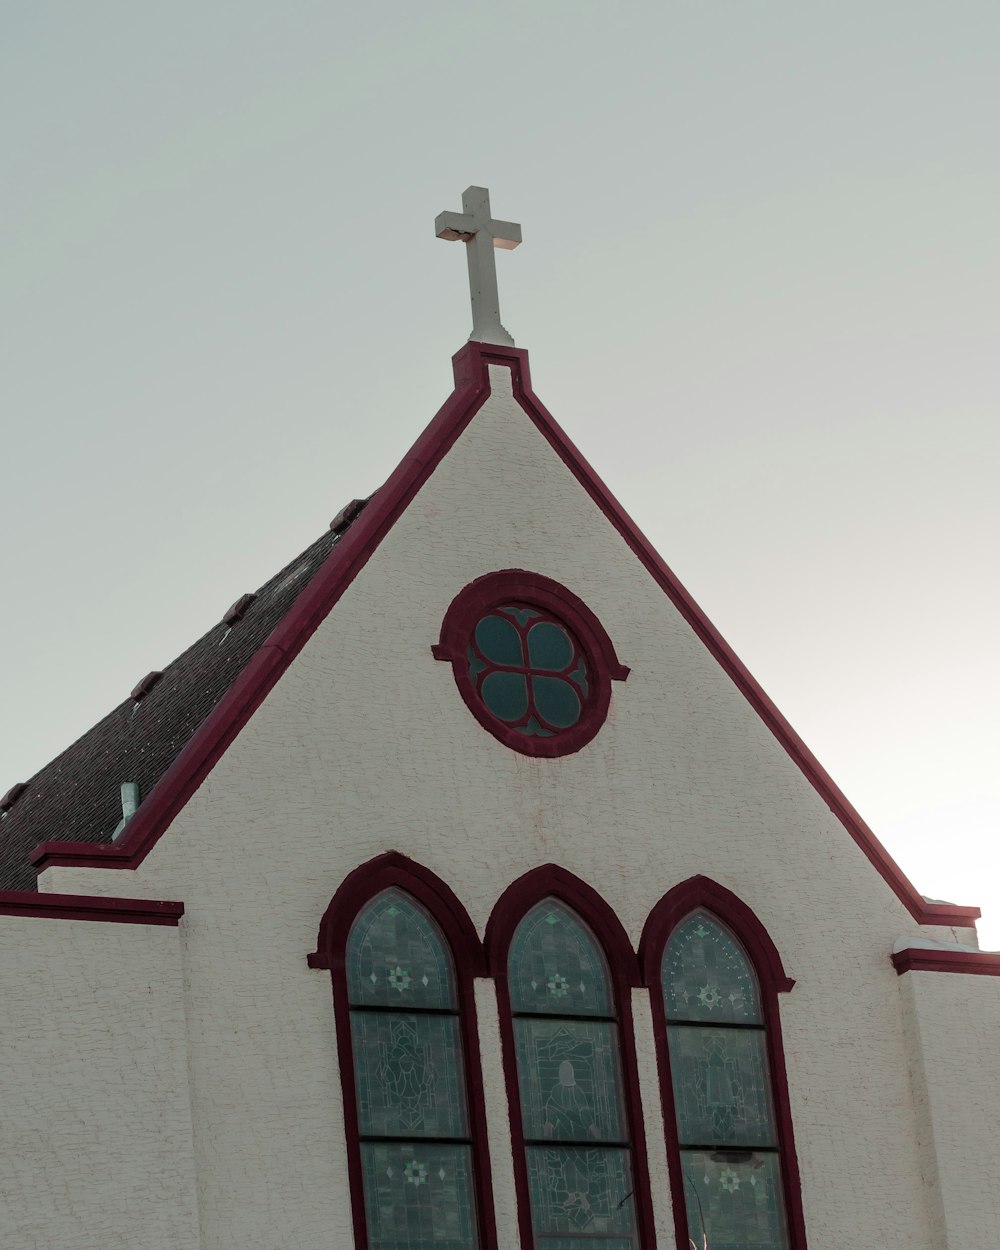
point(484, 900)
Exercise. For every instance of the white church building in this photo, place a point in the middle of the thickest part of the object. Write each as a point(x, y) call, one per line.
point(462, 890)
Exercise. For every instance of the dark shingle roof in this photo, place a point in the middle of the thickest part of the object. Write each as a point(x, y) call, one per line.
point(78, 796)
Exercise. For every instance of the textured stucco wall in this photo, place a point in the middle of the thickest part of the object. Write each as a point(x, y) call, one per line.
point(953, 1023)
point(364, 746)
point(95, 1123)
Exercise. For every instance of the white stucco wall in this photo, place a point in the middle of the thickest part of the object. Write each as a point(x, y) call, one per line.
point(953, 1023)
point(365, 746)
point(95, 1124)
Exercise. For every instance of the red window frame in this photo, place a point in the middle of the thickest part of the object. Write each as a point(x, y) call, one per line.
point(551, 881)
point(702, 893)
point(395, 871)
point(493, 590)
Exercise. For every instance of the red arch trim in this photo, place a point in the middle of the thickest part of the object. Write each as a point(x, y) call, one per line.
point(732, 911)
point(703, 892)
point(393, 870)
point(551, 881)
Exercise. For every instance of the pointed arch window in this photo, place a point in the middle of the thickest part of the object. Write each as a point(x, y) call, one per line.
point(733, 1173)
point(570, 1068)
point(413, 1109)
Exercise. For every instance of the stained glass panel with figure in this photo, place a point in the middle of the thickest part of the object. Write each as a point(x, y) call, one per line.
point(722, 1092)
point(409, 1074)
point(569, 1079)
point(582, 1195)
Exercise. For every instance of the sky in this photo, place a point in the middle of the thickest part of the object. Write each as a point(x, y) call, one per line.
point(760, 286)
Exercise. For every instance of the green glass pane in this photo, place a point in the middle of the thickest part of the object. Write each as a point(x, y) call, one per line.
point(409, 1074)
point(550, 646)
point(722, 1092)
point(418, 1196)
point(556, 700)
point(505, 694)
point(570, 1081)
point(581, 1194)
point(555, 965)
point(734, 1200)
point(499, 641)
point(397, 958)
point(587, 1241)
point(707, 977)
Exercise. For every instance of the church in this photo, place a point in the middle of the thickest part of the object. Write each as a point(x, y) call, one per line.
point(460, 889)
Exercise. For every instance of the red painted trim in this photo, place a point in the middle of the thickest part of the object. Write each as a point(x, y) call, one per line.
point(519, 586)
point(551, 881)
point(351, 554)
point(85, 907)
point(440, 902)
point(973, 962)
point(682, 900)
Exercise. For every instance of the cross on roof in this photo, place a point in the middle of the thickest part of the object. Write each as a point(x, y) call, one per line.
point(481, 234)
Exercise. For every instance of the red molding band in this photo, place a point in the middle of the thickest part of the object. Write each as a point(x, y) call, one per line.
point(348, 558)
point(971, 962)
point(85, 907)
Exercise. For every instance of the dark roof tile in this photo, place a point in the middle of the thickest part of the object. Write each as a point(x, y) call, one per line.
point(77, 797)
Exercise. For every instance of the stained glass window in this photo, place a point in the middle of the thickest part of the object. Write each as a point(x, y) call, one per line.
point(566, 1041)
point(529, 670)
point(723, 1100)
point(409, 1070)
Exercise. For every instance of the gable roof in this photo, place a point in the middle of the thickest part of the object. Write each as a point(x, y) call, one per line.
point(346, 559)
point(78, 794)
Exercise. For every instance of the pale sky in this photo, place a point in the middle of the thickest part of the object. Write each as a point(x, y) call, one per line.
point(760, 286)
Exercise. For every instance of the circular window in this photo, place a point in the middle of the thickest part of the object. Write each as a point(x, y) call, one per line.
point(532, 662)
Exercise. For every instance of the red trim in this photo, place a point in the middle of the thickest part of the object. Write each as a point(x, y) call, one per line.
point(550, 881)
point(85, 907)
point(351, 554)
point(512, 586)
point(682, 900)
point(440, 901)
point(973, 962)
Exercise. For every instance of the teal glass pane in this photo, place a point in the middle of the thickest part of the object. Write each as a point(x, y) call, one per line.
point(397, 958)
point(505, 694)
point(418, 1196)
point(707, 977)
point(570, 1081)
point(550, 647)
point(555, 965)
point(556, 701)
point(722, 1092)
point(499, 641)
point(734, 1200)
point(409, 1075)
point(582, 1195)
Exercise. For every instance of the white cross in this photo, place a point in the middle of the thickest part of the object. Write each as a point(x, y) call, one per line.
point(481, 234)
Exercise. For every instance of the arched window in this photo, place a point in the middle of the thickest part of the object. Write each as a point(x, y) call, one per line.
point(734, 1179)
point(574, 1109)
point(406, 1033)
